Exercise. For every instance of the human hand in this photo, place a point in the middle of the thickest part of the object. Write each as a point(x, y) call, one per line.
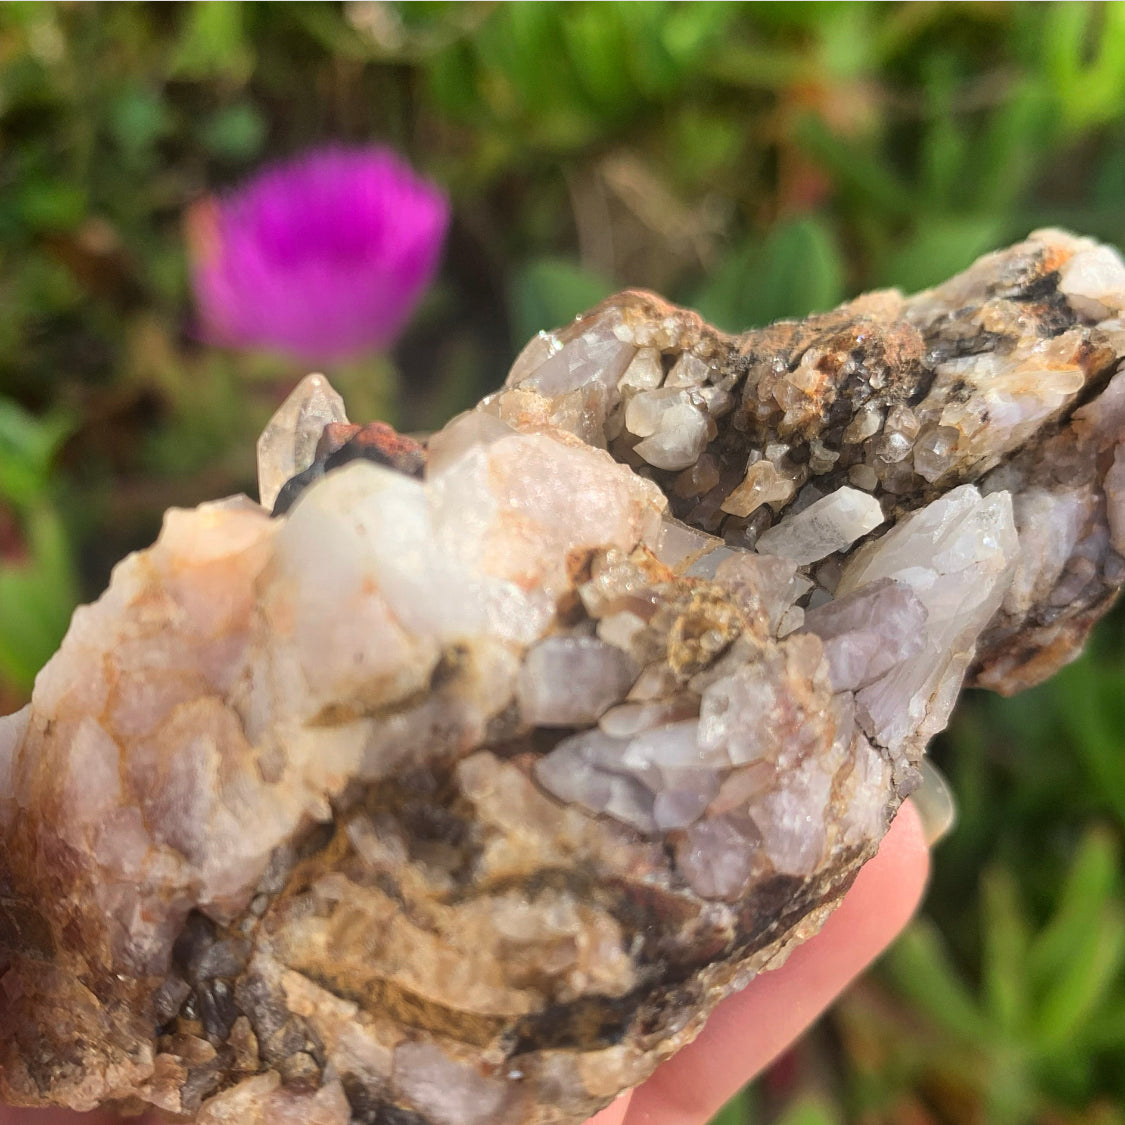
point(749, 1030)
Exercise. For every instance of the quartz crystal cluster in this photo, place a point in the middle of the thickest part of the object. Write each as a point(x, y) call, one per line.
point(457, 782)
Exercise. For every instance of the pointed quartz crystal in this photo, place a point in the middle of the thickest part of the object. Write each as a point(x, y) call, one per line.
point(288, 443)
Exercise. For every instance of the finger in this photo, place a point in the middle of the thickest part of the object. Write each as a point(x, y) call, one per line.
point(614, 1113)
point(747, 1031)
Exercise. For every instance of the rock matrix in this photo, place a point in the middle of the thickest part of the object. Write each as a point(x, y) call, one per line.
point(457, 783)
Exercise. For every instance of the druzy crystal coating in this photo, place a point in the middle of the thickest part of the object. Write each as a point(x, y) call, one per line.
point(463, 788)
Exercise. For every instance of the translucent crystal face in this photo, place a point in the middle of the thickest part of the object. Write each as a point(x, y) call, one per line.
point(288, 444)
point(463, 789)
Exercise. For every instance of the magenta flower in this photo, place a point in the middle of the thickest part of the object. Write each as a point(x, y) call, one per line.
point(321, 257)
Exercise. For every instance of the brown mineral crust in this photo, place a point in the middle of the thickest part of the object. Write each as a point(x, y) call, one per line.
point(377, 442)
point(861, 359)
point(1036, 652)
point(333, 438)
point(429, 961)
point(74, 1029)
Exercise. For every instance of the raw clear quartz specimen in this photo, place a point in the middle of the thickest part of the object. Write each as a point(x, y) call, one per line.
point(826, 526)
point(288, 443)
point(464, 797)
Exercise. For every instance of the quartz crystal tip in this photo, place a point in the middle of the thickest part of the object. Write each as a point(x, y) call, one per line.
point(288, 444)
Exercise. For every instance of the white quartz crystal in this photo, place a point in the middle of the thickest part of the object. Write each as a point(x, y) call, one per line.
point(681, 545)
point(570, 681)
point(790, 818)
point(595, 356)
point(535, 353)
point(458, 436)
point(956, 555)
point(671, 747)
point(680, 438)
point(621, 629)
point(13, 729)
point(1009, 401)
point(735, 713)
point(766, 583)
point(651, 411)
point(508, 509)
point(718, 856)
point(934, 452)
point(1049, 524)
point(454, 1093)
point(753, 711)
point(689, 371)
point(587, 769)
point(288, 443)
point(763, 484)
point(683, 797)
point(865, 815)
point(630, 719)
point(644, 373)
point(706, 564)
point(656, 779)
point(831, 524)
point(868, 632)
point(1094, 280)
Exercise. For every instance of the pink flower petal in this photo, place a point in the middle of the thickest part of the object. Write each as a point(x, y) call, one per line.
point(321, 257)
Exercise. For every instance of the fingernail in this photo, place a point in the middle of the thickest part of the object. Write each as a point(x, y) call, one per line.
point(934, 802)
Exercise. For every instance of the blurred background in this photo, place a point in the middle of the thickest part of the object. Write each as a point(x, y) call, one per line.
point(752, 160)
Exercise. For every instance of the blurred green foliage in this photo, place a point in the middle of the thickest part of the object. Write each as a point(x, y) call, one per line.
point(38, 591)
point(1050, 1011)
point(756, 161)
